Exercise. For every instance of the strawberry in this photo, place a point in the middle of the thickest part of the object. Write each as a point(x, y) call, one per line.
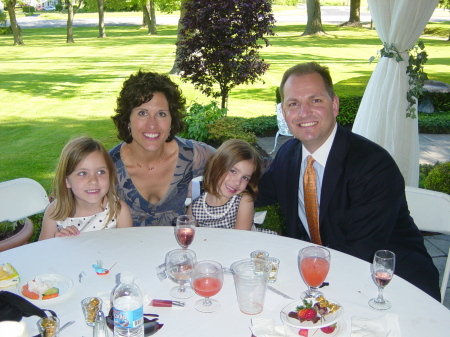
point(303, 332)
point(307, 314)
point(329, 329)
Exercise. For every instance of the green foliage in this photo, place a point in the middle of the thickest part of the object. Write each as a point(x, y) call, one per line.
point(28, 9)
point(424, 170)
point(441, 101)
point(5, 31)
point(198, 118)
point(59, 7)
point(224, 128)
point(3, 18)
point(436, 122)
point(168, 6)
point(219, 45)
point(277, 95)
point(274, 218)
point(348, 107)
point(439, 178)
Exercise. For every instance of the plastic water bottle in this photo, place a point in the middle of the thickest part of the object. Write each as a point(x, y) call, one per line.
point(128, 309)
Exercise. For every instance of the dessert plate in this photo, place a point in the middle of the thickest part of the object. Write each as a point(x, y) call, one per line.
point(293, 322)
point(63, 283)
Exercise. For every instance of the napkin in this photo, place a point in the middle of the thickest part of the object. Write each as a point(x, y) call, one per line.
point(265, 327)
point(384, 326)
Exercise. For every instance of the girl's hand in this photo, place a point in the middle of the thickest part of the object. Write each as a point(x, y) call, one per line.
point(68, 231)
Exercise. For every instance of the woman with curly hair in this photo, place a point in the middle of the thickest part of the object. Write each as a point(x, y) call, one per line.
point(154, 167)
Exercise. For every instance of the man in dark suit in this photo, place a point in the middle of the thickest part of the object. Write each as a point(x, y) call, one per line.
point(360, 190)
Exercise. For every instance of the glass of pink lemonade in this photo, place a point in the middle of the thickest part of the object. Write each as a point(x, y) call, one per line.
point(185, 230)
point(314, 264)
point(207, 280)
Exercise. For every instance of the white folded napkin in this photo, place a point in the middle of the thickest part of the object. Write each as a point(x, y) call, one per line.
point(265, 327)
point(384, 326)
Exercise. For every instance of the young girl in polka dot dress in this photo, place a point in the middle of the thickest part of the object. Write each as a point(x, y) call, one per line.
point(85, 194)
point(230, 182)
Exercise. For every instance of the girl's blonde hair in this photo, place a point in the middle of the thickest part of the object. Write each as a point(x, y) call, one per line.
point(72, 154)
point(227, 155)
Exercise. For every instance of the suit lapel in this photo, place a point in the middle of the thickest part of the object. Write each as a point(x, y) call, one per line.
point(333, 170)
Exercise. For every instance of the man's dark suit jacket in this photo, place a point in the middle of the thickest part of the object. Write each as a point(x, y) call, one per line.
point(363, 205)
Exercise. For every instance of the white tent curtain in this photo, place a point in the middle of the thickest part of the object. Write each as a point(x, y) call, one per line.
point(381, 116)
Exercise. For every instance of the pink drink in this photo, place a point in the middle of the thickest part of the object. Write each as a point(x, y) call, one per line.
point(207, 286)
point(185, 236)
point(314, 270)
point(382, 278)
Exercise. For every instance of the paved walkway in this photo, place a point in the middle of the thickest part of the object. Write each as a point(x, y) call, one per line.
point(432, 148)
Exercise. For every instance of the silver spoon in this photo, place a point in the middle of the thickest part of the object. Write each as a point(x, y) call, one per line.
point(63, 327)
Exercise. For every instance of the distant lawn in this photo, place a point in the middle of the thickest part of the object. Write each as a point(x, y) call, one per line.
point(51, 91)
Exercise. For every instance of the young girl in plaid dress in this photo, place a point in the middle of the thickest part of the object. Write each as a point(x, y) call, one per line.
point(230, 184)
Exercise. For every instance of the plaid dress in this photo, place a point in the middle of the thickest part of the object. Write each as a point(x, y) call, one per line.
point(228, 218)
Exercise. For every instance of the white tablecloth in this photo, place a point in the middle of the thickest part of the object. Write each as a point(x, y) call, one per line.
point(140, 250)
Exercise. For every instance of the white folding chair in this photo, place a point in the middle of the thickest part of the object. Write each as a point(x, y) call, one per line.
point(431, 212)
point(20, 198)
point(282, 127)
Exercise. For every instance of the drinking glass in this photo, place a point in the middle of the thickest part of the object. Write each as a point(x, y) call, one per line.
point(179, 264)
point(382, 272)
point(207, 280)
point(314, 264)
point(185, 230)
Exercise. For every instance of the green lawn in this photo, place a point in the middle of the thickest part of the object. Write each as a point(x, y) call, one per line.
point(51, 91)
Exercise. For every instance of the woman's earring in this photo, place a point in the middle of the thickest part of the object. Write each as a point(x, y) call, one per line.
point(129, 129)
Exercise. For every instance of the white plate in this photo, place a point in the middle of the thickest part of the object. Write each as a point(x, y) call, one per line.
point(63, 283)
point(340, 329)
point(327, 319)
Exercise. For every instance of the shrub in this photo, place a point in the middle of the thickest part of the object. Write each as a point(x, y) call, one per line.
point(59, 7)
point(261, 126)
point(198, 118)
point(5, 31)
point(439, 178)
point(274, 218)
point(436, 122)
point(225, 128)
point(28, 9)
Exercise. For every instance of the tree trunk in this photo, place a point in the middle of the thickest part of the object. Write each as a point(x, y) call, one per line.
point(314, 24)
point(355, 14)
point(145, 17)
point(175, 68)
point(152, 24)
point(16, 30)
point(101, 18)
point(70, 23)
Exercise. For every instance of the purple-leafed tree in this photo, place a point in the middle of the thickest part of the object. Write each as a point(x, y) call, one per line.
point(220, 43)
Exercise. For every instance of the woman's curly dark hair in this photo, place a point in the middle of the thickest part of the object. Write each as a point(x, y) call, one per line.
point(139, 89)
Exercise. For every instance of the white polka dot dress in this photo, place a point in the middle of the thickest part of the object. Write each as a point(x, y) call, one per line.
point(89, 223)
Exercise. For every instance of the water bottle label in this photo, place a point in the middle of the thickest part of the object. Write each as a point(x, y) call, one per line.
point(128, 319)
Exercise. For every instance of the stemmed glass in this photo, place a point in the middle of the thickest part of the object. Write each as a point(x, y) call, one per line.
point(207, 280)
point(179, 263)
point(185, 230)
point(382, 272)
point(314, 264)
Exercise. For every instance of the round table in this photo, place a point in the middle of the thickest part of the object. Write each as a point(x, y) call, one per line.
point(140, 250)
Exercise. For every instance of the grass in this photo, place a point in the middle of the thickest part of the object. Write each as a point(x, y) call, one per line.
point(51, 91)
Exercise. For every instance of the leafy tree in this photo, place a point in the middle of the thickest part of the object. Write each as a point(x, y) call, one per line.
point(16, 30)
point(314, 23)
point(70, 14)
point(355, 14)
point(219, 44)
point(176, 67)
point(101, 18)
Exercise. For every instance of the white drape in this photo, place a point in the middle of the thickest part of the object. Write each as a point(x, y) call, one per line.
point(381, 116)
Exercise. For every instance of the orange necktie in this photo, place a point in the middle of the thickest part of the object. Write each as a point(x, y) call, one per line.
point(311, 205)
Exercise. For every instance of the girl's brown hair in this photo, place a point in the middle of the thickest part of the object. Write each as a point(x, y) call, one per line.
point(72, 154)
point(227, 155)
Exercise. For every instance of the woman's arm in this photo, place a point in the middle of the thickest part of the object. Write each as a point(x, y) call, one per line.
point(124, 218)
point(244, 219)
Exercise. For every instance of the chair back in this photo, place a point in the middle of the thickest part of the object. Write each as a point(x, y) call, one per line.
point(431, 212)
point(20, 198)
point(282, 126)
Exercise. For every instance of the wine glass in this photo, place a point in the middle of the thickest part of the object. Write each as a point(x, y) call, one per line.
point(179, 263)
point(207, 280)
point(382, 272)
point(314, 264)
point(185, 230)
